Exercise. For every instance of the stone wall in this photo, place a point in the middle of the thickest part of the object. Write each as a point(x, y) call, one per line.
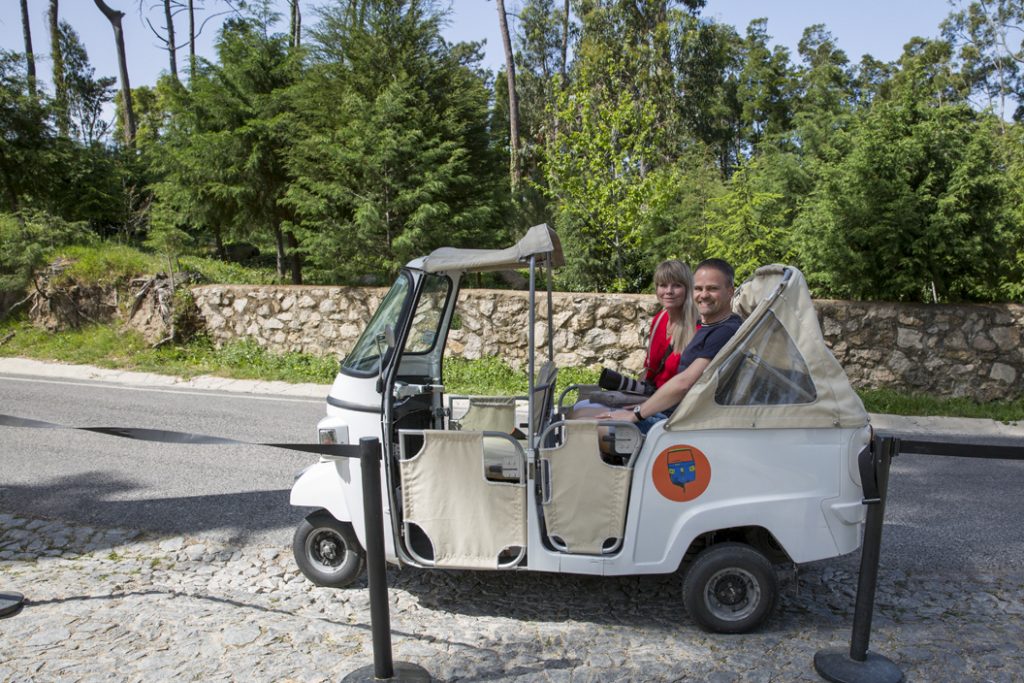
point(972, 351)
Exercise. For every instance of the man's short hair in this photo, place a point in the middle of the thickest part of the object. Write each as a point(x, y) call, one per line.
point(721, 266)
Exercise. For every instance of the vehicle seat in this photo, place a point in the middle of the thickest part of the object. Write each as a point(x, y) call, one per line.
point(544, 396)
point(472, 523)
point(484, 414)
point(585, 498)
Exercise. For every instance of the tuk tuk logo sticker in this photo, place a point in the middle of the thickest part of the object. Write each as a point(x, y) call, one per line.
point(681, 473)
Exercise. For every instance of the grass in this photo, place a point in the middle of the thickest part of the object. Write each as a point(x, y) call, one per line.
point(110, 263)
point(900, 403)
point(105, 346)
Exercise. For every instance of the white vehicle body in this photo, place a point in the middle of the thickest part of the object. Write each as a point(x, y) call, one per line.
point(762, 451)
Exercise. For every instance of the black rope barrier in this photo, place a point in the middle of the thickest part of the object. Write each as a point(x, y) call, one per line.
point(858, 664)
point(384, 668)
point(184, 438)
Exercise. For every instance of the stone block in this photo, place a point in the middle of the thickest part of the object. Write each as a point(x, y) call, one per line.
point(907, 338)
point(1001, 372)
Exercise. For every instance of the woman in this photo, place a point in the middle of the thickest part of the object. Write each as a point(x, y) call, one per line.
point(671, 330)
point(673, 326)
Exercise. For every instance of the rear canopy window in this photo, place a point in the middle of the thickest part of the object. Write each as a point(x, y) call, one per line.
point(766, 370)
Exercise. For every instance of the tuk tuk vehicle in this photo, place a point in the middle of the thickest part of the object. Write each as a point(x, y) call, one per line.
point(756, 468)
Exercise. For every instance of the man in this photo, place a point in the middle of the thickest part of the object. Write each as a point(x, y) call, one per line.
point(713, 289)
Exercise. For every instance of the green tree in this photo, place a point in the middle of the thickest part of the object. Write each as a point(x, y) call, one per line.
point(222, 158)
point(27, 140)
point(764, 89)
point(85, 95)
point(990, 38)
point(624, 174)
point(825, 91)
point(914, 211)
point(708, 66)
point(750, 224)
point(393, 155)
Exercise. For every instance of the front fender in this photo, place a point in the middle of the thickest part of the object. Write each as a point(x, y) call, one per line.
point(321, 486)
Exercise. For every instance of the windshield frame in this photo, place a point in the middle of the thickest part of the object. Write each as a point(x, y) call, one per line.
point(391, 311)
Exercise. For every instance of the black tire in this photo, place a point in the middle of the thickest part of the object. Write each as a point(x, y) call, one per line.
point(327, 551)
point(730, 588)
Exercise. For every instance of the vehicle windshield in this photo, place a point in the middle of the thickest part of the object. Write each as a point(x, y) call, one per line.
point(365, 357)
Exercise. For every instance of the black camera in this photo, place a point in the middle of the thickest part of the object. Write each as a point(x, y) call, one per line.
point(613, 381)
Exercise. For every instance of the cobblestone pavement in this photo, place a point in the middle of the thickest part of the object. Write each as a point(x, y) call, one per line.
point(116, 605)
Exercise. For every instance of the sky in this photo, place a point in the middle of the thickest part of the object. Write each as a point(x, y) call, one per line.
point(877, 27)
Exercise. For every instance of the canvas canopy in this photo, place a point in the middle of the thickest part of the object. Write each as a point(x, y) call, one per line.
point(776, 372)
point(540, 241)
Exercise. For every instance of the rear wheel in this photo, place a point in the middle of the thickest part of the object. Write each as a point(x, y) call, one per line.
point(327, 551)
point(730, 588)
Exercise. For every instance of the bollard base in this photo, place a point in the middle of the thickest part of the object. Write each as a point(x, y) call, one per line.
point(403, 671)
point(836, 665)
point(11, 604)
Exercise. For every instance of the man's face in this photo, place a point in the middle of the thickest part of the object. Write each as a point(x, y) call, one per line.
point(712, 294)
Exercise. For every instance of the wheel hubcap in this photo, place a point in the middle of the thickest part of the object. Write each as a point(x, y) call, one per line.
point(732, 594)
point(326, 549)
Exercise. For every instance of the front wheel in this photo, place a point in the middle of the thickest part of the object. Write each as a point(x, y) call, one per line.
point(327, 551)
point(730, 588)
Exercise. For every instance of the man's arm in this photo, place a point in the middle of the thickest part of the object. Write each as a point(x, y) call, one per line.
point(670, 393)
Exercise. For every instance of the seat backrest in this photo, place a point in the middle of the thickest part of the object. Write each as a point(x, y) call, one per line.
point(585, 508)
point(544, 397)
point(489, 414)
point(470, 521)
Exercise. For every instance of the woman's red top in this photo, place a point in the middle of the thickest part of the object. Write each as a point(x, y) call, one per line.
point(661, 344)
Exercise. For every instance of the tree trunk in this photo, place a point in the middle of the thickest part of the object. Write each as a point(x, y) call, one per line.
point(513, 99)
point(114, 17)
point(565, 44)
point(172, 50)
point(191, 38)
point(60, 88)
point(30, 59)
point(296, 24)
point(296, 258)
point(281, 257)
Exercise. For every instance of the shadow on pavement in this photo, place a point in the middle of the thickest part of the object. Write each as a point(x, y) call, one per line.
point(101, 499)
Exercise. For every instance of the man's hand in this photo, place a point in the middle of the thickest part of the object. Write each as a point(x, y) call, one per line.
point(624, 415)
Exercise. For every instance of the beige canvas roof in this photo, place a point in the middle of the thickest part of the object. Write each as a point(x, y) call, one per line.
point(775, 296)
point(540, 240)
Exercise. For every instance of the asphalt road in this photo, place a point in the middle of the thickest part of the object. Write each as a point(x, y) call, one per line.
point(944, 514)
point(232, 493)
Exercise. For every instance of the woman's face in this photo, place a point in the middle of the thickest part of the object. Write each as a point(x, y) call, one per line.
point(671, 294)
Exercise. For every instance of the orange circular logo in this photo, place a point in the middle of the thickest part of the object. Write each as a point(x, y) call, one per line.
point(681, 473)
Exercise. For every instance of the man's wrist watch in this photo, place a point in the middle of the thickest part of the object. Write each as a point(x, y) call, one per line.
point(636, 413)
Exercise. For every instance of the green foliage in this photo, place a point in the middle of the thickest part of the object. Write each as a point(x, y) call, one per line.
point(391, 157)
point(26, 239)
point(750, 225)
point(913, 208)
point(27, 139)
point(617, 162)
point(222, 155)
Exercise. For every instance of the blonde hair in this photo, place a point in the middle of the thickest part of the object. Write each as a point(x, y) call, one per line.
point(682, 330)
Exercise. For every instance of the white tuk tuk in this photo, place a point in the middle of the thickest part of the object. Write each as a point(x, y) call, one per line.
point(756, 468)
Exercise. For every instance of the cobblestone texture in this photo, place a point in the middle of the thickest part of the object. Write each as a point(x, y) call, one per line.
point(115, 605)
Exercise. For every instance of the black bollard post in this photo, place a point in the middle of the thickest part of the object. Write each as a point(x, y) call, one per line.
point(10, 604)
point(383, 668)
point(858, 665)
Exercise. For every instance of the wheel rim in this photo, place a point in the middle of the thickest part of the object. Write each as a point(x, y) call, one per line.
point(326, 549)
point(732, 594)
